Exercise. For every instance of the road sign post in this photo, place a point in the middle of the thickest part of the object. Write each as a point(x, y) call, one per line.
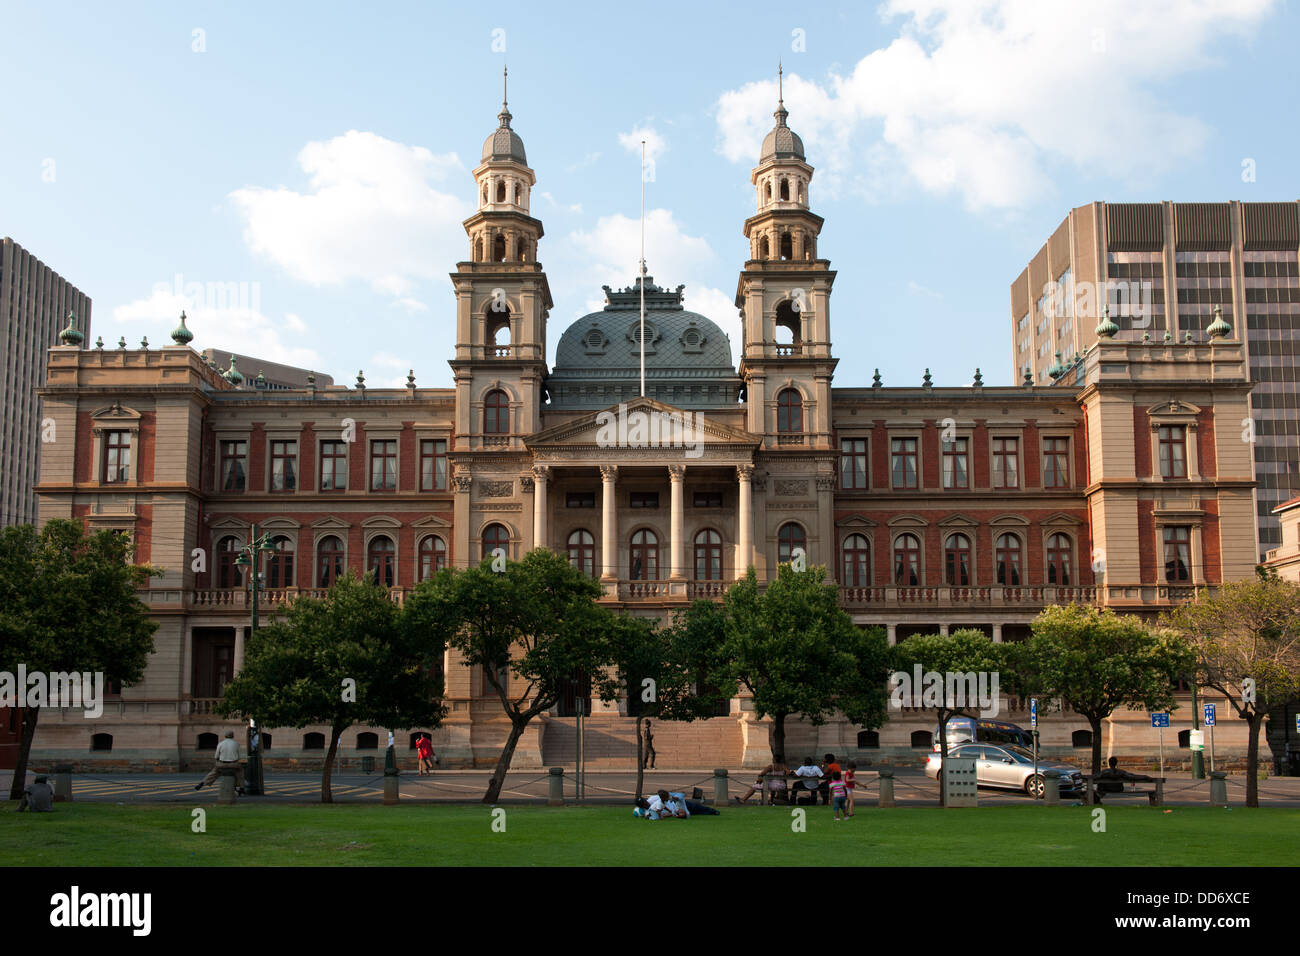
point(1160, 722)
point(1033, 726)
point(1209, 722)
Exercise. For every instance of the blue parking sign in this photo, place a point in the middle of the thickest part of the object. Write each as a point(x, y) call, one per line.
point(1160, 720)
point(1297, 723)
point(1033, 712)
point(1209, 715)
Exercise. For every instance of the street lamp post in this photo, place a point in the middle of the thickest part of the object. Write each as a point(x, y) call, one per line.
point(250, 558)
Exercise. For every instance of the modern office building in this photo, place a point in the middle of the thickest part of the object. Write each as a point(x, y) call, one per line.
point(261, 373)
point(932, 507)
point(1164, 269)
point(35, 302)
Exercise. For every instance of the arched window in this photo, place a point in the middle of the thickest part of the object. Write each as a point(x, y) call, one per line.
point(227, 553)
point(313, 741)
point(787, 246)
point(907, 560)
point(764, 248)
point(485, 194)
point(868, 739)
point(1081, 738)
point(501, 190)
point(367, 740)
point(644, 556)
point(478, 249)
point(329, 561)
point(499, 248)
point(789, 412)
point(708, 556)
point(768, 187)
point(787, 322)
point(496, 413)
point(1007, 555)
point(516, 199)
point(857, 562)
point(789, 537)
point(1058, 560)
point(279, 567)
point(799, 190)
point(433, 556)
point(101, 741)
point(582, 551)
point(785, 189)
point(381, 557)
point(495, 536)
point(956, 560)
point(922, 738)
point(206, 742)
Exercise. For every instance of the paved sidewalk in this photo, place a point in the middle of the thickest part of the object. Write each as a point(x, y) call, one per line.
point(911, 788)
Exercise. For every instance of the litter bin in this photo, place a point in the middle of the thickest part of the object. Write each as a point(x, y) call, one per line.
point(367, 764)
point(1293, 763)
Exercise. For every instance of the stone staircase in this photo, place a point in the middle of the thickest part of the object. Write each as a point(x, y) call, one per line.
point(610, 742)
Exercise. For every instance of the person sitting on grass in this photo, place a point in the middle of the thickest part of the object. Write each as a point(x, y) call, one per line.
point(38, 796)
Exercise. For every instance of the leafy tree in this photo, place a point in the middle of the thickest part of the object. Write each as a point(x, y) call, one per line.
point(797, 652)
point(350, 657)
point(536, 622)
point(1095, 661)
point(667, 671)
point(961, 652)
point(68, 604)
point(1248, 631)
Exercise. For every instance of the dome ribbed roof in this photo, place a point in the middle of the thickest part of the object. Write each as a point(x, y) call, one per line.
point(782, 142)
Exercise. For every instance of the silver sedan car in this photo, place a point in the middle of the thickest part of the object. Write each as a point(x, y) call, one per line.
point(1009, 767)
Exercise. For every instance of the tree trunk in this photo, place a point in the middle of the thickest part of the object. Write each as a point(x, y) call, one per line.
point(336, 732)
point(1095, 724)
point(498, 780)
point(30, 716)
point(640, 761)
point(778, 737)
point(1252, 760)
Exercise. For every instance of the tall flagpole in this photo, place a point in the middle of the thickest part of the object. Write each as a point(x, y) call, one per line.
point(641, 334)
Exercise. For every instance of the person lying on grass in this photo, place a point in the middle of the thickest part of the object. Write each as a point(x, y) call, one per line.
point(666, 805)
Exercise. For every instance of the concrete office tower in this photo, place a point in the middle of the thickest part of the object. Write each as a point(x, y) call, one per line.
point(34, 305)
point(1163, 269)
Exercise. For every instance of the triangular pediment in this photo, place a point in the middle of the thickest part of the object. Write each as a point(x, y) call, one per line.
point(855, 522)
point(431, 521)
point(330, 523)
point(641, 423)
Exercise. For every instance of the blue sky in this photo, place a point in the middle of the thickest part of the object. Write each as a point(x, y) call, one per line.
point(318, 156)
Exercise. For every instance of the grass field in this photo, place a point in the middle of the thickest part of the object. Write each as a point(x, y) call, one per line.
point(423, 835)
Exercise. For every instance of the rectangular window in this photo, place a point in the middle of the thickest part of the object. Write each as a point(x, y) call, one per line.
point(1006, 463)
point(383, 464)
point(433, 464)
point(234, 465)
point(853, 463)
point(333, 466)
point(1056, 463)
point(956, 463)
point(707, 499)
point(580, 499)
point(644, 499)
point(284, 465)
point(1178, 553)
point(903, 455)
point(117, 457)
point(1173, 451)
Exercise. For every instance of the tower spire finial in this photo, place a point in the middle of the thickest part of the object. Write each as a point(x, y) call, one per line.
point(504, 116)
point(781, 112)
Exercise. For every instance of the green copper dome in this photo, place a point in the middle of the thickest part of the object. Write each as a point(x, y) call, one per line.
point(1218, 329)
point(72, 335)
point(233, 375)
point(181, 335)
point(1106, 328)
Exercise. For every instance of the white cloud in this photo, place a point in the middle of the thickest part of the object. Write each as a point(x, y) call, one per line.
point(916, 288)
point(234, 326)
point(392, 371)
point(612, 249)
point(410, 305)
point(370, 213)
point(980, 98)
point(655, 144)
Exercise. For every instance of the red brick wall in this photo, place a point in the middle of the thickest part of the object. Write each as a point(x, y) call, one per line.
point(148, 446)
point(1208, 461)
point(307, 458)
point(257, 458)
point(929, 454)
point(1210, 543)
point(408, 459)
point(1032, 456)
point(1142, 443)
point(980, 450)
point(1150, 551)
point(879, 455)
point(358, 459)
point(84, 467)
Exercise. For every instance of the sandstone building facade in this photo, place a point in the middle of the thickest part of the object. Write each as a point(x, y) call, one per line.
point(1124, 483)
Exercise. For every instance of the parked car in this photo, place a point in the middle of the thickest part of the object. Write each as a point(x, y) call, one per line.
point(1009, 767)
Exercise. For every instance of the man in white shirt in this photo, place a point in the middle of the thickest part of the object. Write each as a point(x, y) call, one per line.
point(227, 756)
point(810, 776)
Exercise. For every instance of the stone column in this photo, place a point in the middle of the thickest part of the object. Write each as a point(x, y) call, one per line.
point(745, 519)
point(892, 631)
point(677, 523)
point(997, 633)
point(461, 557)
point(239, 650)
point(541, 536)
point(609, 523)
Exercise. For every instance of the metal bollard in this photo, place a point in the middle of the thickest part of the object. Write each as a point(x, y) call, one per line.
point(556, 796)
point(226, 786)
point(1160, 792)
point(62, 782)
point(1052, 786)
point(886, 787)
point(390, 787)
point(720, 791)
point(1218, 789)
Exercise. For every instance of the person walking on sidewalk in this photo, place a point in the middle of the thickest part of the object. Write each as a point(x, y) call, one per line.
point(424, 750)
point(227, 756)
point(648, 758)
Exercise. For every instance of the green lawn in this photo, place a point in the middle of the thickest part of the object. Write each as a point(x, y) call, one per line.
point(95, 834)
